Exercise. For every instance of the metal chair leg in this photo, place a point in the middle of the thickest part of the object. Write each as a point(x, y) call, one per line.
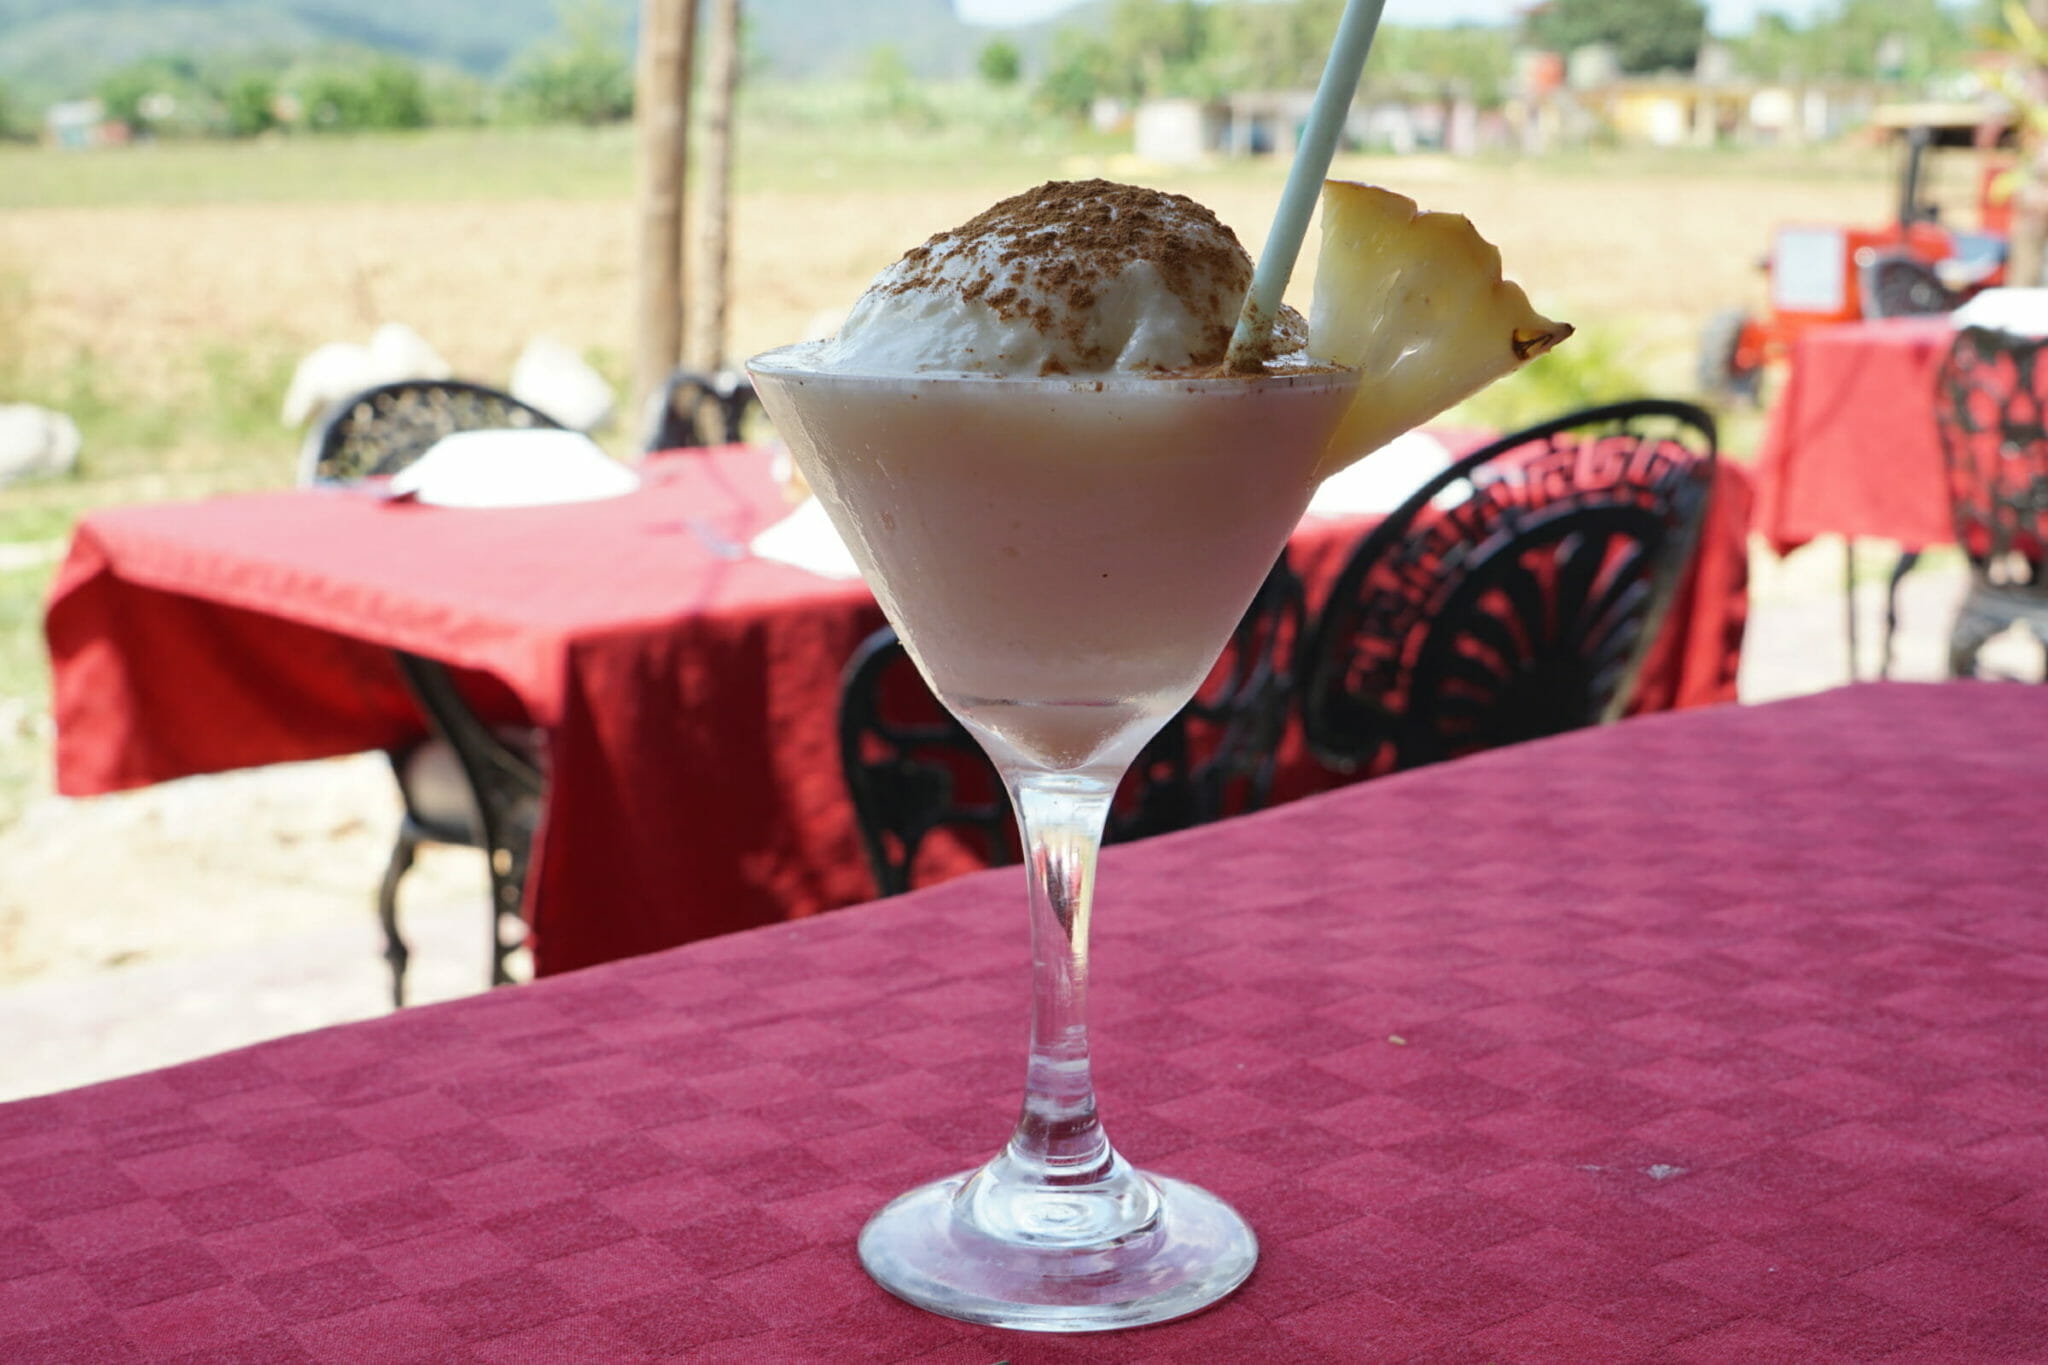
point(1904, 565)
point(508, 893)
point(1849, 597)
point(403, 852)
point(1967, 637)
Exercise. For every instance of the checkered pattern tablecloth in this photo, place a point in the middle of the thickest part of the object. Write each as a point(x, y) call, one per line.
point(689, 697)
point(1719, 1036)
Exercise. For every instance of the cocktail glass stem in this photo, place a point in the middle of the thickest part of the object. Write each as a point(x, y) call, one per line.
point(1058, 1181)
point(1059, 1233)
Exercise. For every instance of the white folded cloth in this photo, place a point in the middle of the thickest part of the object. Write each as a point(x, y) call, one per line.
point(1383, 480)
point(2022, 312)
point(807, 540)
point(516, 467)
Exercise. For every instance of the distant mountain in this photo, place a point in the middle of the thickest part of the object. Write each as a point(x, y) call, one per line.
point(50, 49)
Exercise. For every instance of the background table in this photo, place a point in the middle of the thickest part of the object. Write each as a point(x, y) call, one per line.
point(1707, 1037)
point(689, 692)
point(1851, 447)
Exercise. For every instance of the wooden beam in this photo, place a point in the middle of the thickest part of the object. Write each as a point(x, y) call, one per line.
point(714, 268)
point(662, 111)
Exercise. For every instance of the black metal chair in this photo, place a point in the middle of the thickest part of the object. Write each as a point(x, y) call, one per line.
point(471, 786)
point(1217, 756)
point(695, 409)
point(385, 428)
point(468, 785)
point(912, 770)
point(1514, 595)
point(1991, 410)
point(1896, 285)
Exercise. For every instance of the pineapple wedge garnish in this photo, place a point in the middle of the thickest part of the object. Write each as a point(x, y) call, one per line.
point(1415, 302)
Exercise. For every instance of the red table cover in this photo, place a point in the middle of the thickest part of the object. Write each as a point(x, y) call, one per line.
point(1718, 1036)
point(1851, 447)
point(689, 692)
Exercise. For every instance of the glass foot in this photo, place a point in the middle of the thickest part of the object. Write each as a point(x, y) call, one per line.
point(1185, 1250)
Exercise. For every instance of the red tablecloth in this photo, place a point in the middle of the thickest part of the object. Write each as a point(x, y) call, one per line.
point(1851, 447)
point(1710, 1037)
point(689, 696)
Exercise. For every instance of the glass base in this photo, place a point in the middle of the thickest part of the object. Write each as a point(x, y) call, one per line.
point(1186, 1250)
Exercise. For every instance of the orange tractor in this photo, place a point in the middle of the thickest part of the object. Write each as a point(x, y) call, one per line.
point(1921, 262)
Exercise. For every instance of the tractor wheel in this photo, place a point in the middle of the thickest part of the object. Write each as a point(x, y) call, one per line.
point(1721, 374)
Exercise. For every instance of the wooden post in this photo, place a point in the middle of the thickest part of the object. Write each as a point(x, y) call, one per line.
point(722, 71)
point(662, 110)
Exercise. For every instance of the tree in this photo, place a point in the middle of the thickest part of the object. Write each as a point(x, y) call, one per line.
point(2025, 41)
point(249, 104)
point(384, 94)
point(1646, 35)
point(892, 87)
point(1897, 40)
point(581, 75)
point(1254, 45)
point(1000, 63)
point(394, 97)
point(1080, 71)
point(1468, 62)
point(129, 93)
point(1776, 49)
point(1160, 41)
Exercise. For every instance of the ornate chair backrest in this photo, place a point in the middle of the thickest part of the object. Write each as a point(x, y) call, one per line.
point(696, 409)
point(1513, 595)
point(383, 429)
point(1991, 410)
point(1216, 756)
point(911, 769)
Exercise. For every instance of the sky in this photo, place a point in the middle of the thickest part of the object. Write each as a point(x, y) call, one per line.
point(1723, 16)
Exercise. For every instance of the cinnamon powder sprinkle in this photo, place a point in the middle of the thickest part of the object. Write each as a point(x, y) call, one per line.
point(1067, 239)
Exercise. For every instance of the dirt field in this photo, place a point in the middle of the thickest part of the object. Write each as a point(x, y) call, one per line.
point(1644, 256)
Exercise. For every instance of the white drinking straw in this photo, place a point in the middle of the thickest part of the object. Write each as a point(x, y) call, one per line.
point(1304, 181)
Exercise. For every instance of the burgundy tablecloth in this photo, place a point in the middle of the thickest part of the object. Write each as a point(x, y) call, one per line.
point(689, 696)
point(1851, 447)
point(1712, 1037)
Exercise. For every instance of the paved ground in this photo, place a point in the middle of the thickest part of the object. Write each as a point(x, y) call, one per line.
point(170, 923)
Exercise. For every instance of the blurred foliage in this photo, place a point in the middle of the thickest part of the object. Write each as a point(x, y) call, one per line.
point(1903, 40)
point(894, 92)
point(1082, 68)
point(249, 104)
point(384, 94)
point(1596, 366)
point(576, 67)
point(1000, 63)
point(1178, 47)
point(1645, 35)
point(584, 74)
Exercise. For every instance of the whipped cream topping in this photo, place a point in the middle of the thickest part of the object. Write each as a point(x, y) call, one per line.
point(1074, 277)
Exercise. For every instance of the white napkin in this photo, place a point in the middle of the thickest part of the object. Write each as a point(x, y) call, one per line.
point(2022, 312)
point(807, 540)
point(1383, 480)
point(513, 468)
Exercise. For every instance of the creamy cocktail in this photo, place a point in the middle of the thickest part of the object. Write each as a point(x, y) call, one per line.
point(1063, 558)
point(1027, 438)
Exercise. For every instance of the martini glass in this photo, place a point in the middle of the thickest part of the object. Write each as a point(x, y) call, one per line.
point(1063, 559)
